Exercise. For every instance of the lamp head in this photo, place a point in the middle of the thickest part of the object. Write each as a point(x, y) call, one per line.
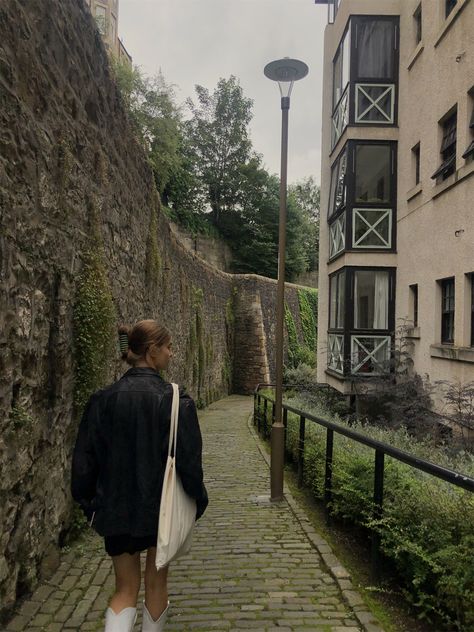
point(286, 71)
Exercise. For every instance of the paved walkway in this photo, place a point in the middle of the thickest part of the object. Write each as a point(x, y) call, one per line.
point(253, 565)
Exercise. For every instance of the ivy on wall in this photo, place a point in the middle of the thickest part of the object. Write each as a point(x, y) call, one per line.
point(303, 352)
point(94, 318)
point(308, 302)
point(153, 264)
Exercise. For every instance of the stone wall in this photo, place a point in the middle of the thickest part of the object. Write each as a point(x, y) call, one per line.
point(214, 250)
point(79, 210)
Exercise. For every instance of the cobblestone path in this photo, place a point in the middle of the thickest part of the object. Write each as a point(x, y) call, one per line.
point(253, 565)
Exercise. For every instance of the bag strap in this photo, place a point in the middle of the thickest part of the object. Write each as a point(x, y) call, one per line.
point(174, 421)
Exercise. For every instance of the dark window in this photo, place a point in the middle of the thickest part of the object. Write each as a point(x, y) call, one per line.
point(376, 44)
point(373, 174)
point(341, 68)
point(418, 24)
point(470, 149)
point(416, 162)
point(450, 4)
point(337, 300)
point(447, 311)
point(472, 310)
point(448, 148)
point(414, 303)
point(337, 195)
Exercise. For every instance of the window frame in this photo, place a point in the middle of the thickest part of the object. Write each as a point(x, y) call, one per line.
point(448, 149)
point(350, 203)
point(418, 17)
point(414, 297)
point(472, 308)
point(336, 275)
point(448, 7)
point(470, 148)
point(356, 20)
point(348, 330)
point(448, 315)
point(416, 154)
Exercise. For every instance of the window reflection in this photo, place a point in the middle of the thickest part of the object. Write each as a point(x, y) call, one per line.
point(373, 170)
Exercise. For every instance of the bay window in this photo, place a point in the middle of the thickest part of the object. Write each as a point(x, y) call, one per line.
point(362, 198)
point(361, 320)
point(365, 74)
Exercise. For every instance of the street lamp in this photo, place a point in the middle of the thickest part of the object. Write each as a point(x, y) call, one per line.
point(286, 71)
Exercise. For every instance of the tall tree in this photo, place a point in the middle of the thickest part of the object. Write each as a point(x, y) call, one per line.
point(251, 227)
point(153, 111)
point(218, 135)
point(306, 195)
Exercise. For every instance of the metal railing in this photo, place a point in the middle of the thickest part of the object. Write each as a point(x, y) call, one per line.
point(381, 449)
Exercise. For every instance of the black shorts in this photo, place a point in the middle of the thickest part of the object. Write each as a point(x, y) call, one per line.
point(118, 544)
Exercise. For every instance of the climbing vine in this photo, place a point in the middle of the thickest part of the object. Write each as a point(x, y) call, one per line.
point(153, 259)
point(303, 352)
point(308, 302)
point(94, 318)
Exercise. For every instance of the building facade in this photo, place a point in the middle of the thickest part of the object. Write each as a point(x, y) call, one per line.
point(106, 14)
point(397, 189)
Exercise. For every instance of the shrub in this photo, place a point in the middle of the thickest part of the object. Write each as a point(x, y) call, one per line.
point(427, 526)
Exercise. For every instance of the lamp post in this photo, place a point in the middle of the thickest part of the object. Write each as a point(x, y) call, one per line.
point(286, 71)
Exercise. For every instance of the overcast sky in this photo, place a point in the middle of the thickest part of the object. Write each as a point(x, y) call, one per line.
point(199, 41)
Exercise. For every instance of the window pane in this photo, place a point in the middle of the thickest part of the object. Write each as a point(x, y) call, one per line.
point(337, 301)
point(472, 310)
point(375, 103)
point(337, 193)
point(341, 182)
point(373, 173)
point(371, 299)
point(370, 354)
point(372, 228)
point(332, 190)
point(337, 87)
point(101, 19)
point(375, 49)
point(447, 306)
point(341, 68)
point(341, 300)
point(346, 55)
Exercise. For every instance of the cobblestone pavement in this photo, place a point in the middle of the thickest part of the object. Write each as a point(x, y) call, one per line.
point(253, 565)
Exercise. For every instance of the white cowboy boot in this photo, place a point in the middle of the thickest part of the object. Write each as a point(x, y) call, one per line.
point(149, 625)
point(121, 622)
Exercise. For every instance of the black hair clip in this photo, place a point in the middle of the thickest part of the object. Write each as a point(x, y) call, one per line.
point(123, 342)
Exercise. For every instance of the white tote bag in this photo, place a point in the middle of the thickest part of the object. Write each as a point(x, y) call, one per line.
point(177, 509)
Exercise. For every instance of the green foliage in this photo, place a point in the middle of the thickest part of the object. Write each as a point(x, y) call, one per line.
point(306, 196)
point(251, 226)
point(94, 318)
point(157, 120)
point(197, 351)
point(153, 264)
point(304, 352)
point(308, 302)
point(20, 418)
point(219, 140)
point(427, 527)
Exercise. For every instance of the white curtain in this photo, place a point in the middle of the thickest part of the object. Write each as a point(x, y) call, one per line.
point(381, 300)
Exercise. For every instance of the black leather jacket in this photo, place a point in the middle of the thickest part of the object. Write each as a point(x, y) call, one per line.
point(121, 450)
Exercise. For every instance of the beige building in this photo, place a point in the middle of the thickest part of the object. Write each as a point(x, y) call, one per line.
point(106, 14)
point(397, 192)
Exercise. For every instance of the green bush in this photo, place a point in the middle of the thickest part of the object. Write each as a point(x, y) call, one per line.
point(427, 527)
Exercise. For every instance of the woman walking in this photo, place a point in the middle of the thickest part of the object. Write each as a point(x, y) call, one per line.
point(117, 471)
